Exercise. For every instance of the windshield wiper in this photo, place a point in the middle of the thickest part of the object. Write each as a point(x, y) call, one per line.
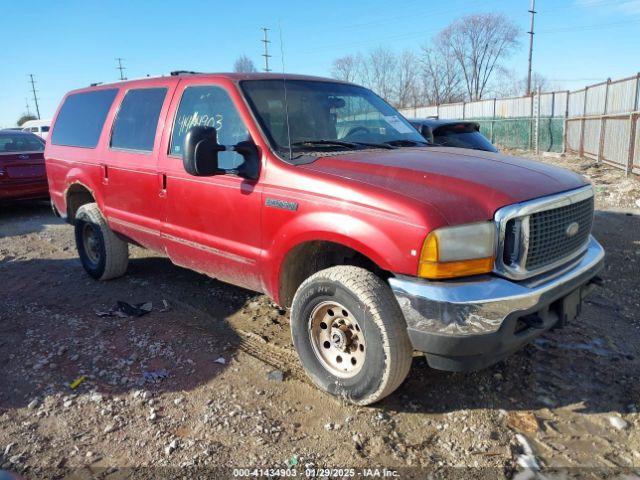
point(407, 143)
point(376, 145)
point(325, 143)
point(340, 143)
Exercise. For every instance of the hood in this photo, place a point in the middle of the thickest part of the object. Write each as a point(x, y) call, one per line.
point(464, 185)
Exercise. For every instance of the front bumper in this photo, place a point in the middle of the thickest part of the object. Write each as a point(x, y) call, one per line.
point(472, 323)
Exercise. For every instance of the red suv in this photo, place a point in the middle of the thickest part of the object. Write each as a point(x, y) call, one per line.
point(321, 195)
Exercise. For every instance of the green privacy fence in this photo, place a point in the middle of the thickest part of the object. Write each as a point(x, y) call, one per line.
point(518, 133)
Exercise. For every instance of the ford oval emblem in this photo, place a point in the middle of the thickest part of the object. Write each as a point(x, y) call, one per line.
point(572, 229)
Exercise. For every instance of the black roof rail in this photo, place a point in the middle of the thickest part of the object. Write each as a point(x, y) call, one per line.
point(175, 73)
point(95, 84)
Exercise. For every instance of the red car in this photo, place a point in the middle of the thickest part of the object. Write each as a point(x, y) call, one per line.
point(22, 170)
point(321, 195)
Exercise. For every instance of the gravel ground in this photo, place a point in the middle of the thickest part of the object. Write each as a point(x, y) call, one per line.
point(209, 379)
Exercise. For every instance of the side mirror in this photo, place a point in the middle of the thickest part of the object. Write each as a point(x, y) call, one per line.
point(200, 151)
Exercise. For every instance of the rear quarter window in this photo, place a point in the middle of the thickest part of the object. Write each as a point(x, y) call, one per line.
point(137, 120)
point(82, 117)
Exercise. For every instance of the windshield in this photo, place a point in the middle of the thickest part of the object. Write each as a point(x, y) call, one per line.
point(16, 142)
point(326, 116)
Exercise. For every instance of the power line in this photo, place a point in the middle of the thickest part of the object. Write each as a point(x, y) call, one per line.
point(266, 55)
point(533, 12)
point(35, 97)
point(121, 68)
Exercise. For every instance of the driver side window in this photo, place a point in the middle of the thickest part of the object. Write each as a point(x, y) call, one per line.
point(210, 106)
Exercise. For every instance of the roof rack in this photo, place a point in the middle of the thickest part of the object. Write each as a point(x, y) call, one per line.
point(176, 73)
point(95, 84)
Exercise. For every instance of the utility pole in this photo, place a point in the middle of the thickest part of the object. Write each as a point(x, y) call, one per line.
point(121, 68)
point(26, 103)
point(533, 12)
point(266, 55)
point(35, 98)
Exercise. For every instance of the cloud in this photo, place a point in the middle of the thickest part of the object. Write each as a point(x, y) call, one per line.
point(629, 7)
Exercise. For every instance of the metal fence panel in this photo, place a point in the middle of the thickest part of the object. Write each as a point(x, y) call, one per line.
point(576, 103)
point(621, 96)
point(547, 104)
point(452, 110)
point(591, 137)
point(513, 107)
point(616, 141)
point(573, 135)
point(426, 112)
point(560, 104)
point(479, 109)
point(596, 96)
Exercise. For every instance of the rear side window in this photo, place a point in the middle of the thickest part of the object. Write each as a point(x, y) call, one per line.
point(137, 120)
point(82, 117)
point(44, 129)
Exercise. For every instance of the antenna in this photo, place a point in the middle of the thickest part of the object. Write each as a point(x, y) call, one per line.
point(284, 83)
point(266, 55)
point(121, 68)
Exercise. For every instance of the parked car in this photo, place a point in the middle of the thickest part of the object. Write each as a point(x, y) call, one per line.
point(22, 170)
point(321, 195)
point(37, 127)
point(453, 133)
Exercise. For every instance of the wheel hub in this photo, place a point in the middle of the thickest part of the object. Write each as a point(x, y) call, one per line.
point(91, 242)
point(337, 339)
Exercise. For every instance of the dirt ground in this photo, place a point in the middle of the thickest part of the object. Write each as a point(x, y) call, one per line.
point(197, 382)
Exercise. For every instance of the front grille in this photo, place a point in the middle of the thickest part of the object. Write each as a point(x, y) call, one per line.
point(548, 238)
point(541, 234)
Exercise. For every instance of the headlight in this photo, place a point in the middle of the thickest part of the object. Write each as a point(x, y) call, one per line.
point(458, 251)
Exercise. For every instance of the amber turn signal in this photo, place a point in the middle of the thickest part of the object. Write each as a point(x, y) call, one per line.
point(458, 251)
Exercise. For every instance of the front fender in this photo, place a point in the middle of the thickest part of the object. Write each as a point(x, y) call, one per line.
point(397, 254)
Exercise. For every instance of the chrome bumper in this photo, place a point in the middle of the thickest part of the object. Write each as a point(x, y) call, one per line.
point(480, 306)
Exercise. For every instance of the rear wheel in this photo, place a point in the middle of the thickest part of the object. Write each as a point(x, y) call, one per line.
point(350, 334)
point(102, 253)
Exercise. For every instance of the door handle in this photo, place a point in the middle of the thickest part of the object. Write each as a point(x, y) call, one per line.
point(162, 180)
point(105, 174)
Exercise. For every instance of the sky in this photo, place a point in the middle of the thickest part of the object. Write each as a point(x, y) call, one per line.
point(68, 44)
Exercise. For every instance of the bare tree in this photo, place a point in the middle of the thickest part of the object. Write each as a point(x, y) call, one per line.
point(441, 75)
point(347, 68)
point(244, 64)
point(407, 80)
point(479, 43)
point(378, 72)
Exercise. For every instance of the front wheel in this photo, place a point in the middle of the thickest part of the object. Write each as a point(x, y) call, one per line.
point(350, 334)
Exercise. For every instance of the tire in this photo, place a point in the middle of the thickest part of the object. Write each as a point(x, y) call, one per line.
point(378, 325)
point(103, 254)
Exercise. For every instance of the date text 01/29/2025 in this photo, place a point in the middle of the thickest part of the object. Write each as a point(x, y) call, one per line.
point(316, 472)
